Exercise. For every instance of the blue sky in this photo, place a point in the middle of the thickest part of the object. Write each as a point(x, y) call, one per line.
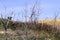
point(47, 8)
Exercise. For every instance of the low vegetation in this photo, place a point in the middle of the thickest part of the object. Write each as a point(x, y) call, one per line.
point(16, 31)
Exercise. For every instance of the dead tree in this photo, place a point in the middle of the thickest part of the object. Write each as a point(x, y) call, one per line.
point(55, 19)
point(5, 23)
point(6, 26)
point(34, 15)
point(26, 28)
